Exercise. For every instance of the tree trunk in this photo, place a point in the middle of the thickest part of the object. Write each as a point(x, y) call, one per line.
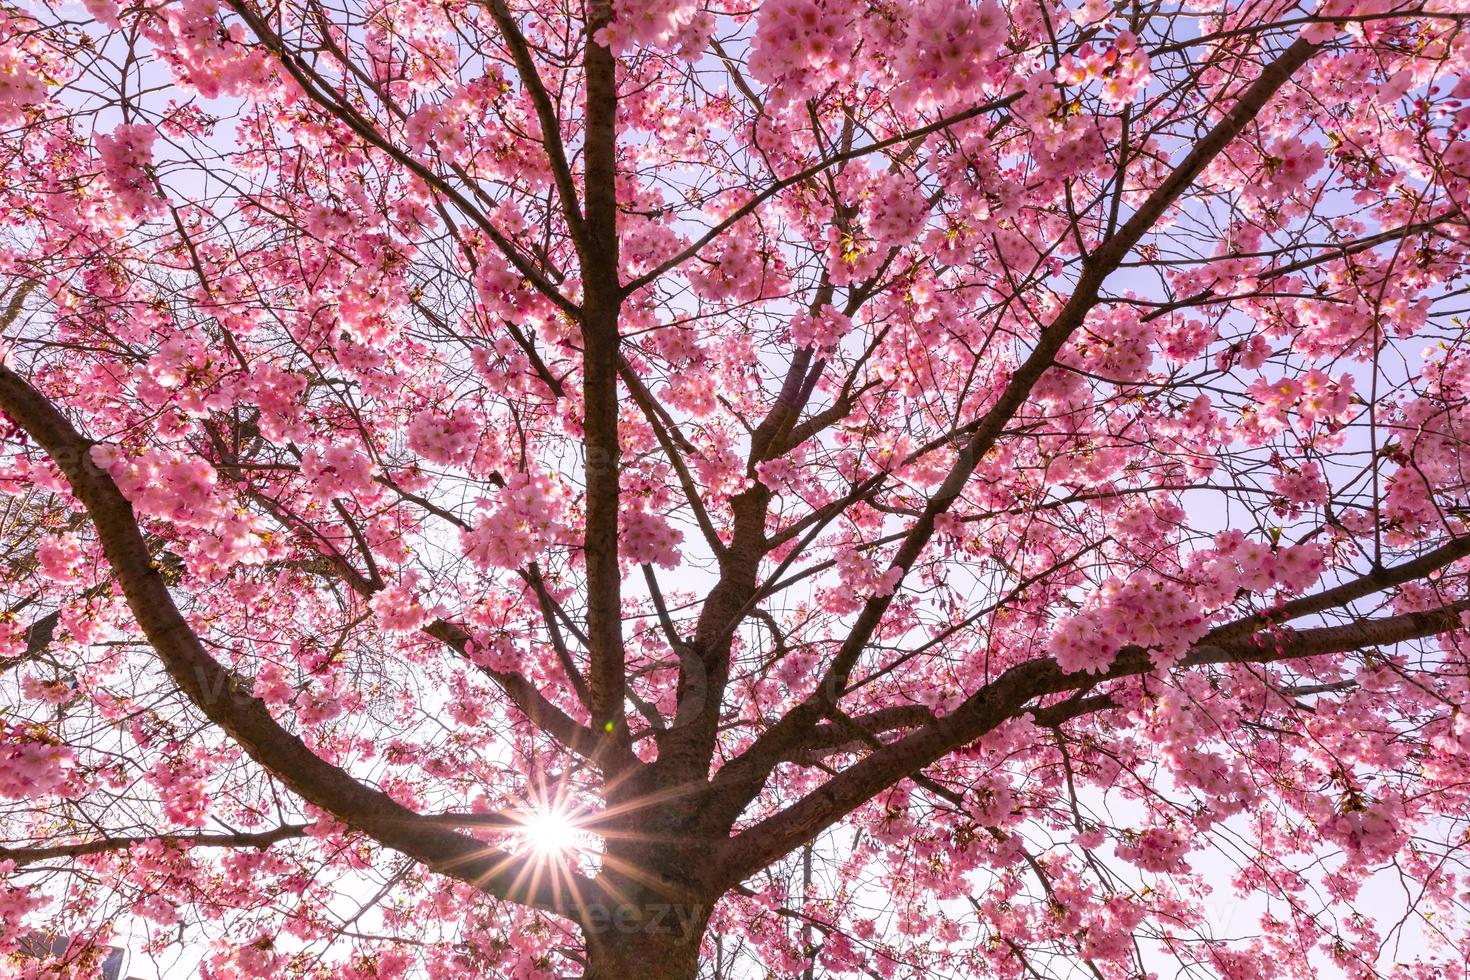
point(663, 946)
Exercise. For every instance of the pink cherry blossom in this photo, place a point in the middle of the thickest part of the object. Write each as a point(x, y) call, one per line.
point(125, 154)
point(852, 488)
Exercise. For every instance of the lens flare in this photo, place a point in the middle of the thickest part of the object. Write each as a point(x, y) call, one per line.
point(550, 833)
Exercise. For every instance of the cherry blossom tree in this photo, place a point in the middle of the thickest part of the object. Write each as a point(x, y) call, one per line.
point(908, 488)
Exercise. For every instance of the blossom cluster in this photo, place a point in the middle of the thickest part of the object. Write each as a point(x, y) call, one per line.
point(32, 765)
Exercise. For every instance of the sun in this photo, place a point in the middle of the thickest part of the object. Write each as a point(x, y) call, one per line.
point(549, 833)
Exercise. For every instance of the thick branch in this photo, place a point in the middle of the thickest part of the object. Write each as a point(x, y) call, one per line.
point(750, 770)
point(546, 115)
point(216, 693)
point(1008, 697)
point(599, 319)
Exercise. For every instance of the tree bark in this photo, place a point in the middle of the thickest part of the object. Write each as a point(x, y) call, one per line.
point(654, 895)
point(660, 954)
